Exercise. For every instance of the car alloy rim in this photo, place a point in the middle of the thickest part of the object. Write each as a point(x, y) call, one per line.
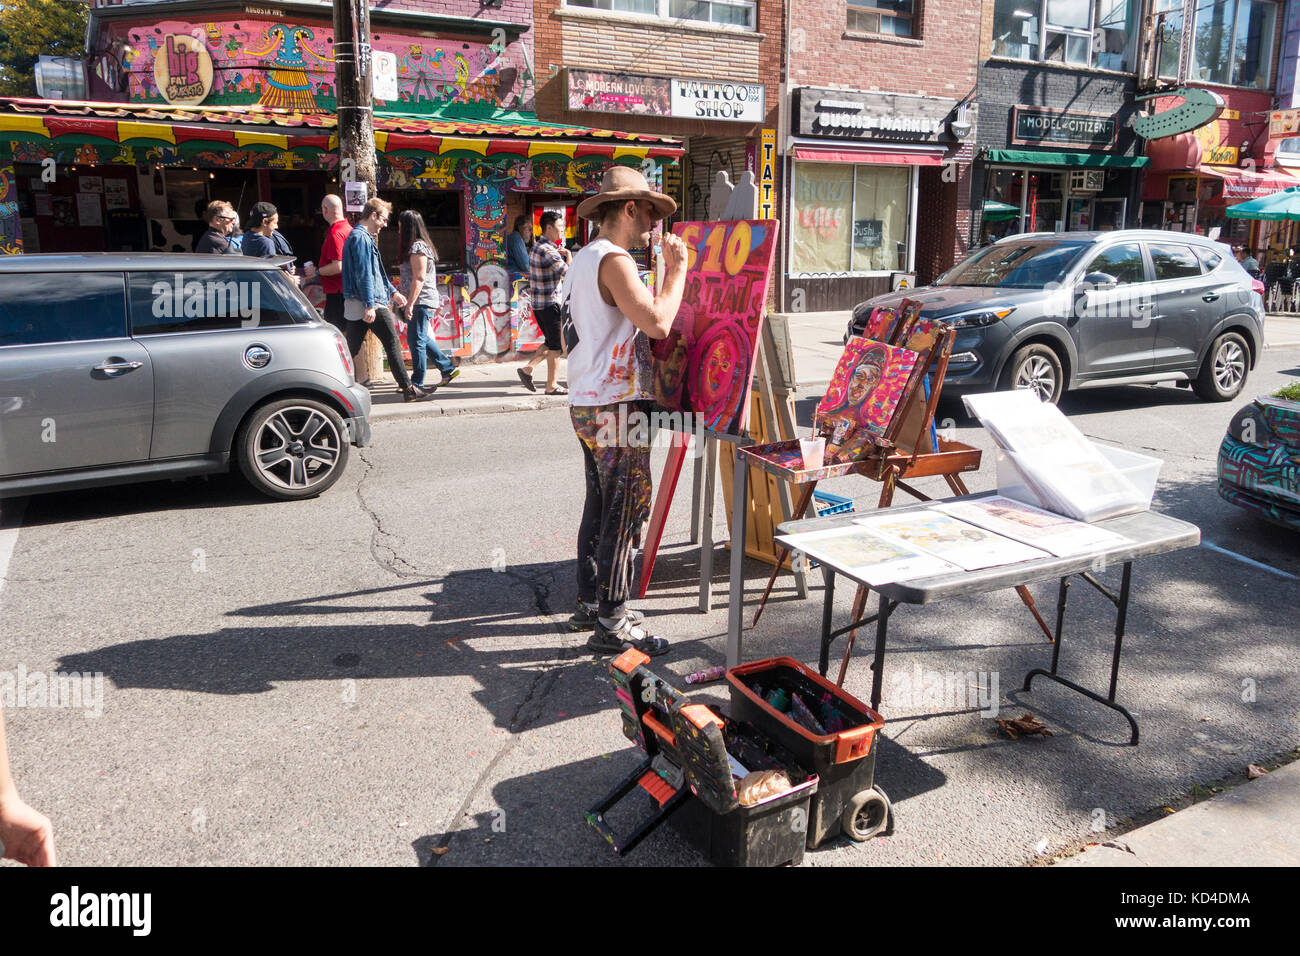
point(297, 448)
point(1037, 374)
point(1229, 366)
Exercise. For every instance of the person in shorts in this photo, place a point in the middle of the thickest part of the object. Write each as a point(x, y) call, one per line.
point(547, 264)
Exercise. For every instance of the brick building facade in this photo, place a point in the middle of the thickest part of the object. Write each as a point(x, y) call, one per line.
point(879, 177)
point(599, 67)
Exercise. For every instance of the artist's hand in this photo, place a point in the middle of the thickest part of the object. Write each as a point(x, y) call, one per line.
point(674, 252)
point(25, 835)
point(369, 316)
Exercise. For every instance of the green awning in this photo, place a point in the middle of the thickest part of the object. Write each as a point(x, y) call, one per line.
point(1042, 157)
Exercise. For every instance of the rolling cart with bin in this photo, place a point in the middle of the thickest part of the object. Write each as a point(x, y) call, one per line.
point(691, 752)
point(843, 754)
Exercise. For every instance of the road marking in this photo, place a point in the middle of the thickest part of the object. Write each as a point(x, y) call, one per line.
point(1251, 561)
point(11, 519)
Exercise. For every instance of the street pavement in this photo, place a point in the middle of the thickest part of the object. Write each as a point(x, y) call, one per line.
point(383, 673)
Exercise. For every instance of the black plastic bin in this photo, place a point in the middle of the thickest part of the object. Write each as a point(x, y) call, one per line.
point(847, 799)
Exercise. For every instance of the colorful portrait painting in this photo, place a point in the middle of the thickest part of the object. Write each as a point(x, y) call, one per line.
point(706, 364)
point(869, 381)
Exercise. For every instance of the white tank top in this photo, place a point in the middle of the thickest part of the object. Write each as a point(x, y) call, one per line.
point(611, 361)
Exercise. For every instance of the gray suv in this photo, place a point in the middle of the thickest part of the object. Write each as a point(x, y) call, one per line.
point(133, 367)
point(1054, 311)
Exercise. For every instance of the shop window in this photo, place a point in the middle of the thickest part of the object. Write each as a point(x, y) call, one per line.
point(890, 17)
point(739, 13)
point(163, 302)
point(1094, 33)
point(43, 308)
point(1123, 263)
point(1174, 262)
point(850, 219)
point(1232, 42)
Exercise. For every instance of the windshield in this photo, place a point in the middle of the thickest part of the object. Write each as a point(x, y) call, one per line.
point(1028, 264)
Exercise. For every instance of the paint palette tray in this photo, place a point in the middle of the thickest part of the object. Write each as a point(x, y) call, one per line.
point(785, 460)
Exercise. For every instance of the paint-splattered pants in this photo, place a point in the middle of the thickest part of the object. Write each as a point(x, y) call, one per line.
point(618, 502)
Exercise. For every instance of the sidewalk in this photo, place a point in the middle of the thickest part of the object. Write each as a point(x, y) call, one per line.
point(1255, 824)
point(817, 339)
point(1281, 331)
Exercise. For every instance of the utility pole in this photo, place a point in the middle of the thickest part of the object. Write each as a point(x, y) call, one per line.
point(353, 79)
point(354, 102)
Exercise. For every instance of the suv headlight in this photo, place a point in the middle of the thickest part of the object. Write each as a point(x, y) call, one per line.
point(974, 320)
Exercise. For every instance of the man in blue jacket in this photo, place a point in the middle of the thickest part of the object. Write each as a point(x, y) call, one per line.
point(367, 293)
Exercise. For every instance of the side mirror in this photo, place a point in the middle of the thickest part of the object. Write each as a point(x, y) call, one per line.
point(1099, 281)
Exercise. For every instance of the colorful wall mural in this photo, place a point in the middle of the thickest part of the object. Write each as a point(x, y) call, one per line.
point(11, 233)
point(291, 66)
point(485, 182)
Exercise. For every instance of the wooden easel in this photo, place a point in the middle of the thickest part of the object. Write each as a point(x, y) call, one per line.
point(890, 466)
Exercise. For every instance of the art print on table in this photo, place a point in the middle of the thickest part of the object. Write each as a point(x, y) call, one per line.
point(867, 556)
point(1043, 529)
point(864, 390)
point(963, 544)
point(706, 364)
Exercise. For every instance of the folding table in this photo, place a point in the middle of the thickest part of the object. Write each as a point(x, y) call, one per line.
point(1147, 533)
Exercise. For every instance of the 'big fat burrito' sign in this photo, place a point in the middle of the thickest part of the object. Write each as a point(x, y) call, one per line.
point(182, 70)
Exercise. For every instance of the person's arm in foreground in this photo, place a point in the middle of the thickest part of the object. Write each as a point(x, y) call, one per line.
point(653, 315)
point(25, 835)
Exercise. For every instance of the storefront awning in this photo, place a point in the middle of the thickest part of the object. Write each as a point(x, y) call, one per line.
point(1239, 184)
point(870, 157)
point(1042, 157)
point(209, 127)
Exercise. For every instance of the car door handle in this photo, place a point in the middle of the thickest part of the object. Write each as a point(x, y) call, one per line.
point(107, 366)
point(1210, 296)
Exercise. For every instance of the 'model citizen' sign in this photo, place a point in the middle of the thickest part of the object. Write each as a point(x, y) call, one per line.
point(677, 97)
point(1033, 126)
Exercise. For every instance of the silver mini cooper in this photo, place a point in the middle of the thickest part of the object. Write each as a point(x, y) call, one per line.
point(123, 367)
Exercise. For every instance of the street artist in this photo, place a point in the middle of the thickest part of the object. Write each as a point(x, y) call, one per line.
point(612, 317)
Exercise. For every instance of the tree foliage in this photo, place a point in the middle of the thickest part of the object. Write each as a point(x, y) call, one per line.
point(33, 28)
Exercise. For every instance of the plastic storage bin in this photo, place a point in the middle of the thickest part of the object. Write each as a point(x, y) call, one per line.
point(1141, 471)
point(688, 774)
point(844, 759)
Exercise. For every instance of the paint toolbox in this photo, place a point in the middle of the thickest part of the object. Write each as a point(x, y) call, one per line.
point(693, 754)
point(827, 730)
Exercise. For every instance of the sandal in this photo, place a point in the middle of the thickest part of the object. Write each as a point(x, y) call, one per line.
point(584, 619)
point(558, 390)
point(627, 634)
point(526, 377)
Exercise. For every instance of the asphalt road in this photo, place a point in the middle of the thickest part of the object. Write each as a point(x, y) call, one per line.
point(366, 677)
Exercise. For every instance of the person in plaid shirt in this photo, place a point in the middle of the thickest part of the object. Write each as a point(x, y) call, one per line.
point(547, 264)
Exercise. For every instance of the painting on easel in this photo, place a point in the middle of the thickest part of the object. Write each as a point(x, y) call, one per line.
point(706, 364)
point(865, 390)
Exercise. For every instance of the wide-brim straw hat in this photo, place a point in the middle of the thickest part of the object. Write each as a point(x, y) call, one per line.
point(624, 182)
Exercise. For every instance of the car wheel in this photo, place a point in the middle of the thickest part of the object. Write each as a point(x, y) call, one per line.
point(1037, 368)
point(292, 448)
point(1223, 375)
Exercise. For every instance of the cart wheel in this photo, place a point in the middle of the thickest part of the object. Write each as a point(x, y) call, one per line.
point(865, 816)
point(893, 814)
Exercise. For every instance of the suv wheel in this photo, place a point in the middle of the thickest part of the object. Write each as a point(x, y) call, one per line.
point(292, 448)
point(1223, 375)
point(1036, 367)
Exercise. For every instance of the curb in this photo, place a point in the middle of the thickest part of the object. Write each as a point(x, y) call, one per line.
point(391, 411)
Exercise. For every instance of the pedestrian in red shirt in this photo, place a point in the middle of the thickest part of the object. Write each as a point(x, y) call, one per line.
point(330, 269)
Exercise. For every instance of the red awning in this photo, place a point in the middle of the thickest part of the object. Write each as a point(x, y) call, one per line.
point(1239, 184)
point(874, 157)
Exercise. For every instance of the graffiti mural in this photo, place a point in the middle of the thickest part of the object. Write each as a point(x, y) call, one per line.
point(291, 66)
point(485, 316)
point(11, 233)
point(485, 182)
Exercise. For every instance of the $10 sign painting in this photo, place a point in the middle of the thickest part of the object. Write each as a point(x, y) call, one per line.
point(706, 364)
